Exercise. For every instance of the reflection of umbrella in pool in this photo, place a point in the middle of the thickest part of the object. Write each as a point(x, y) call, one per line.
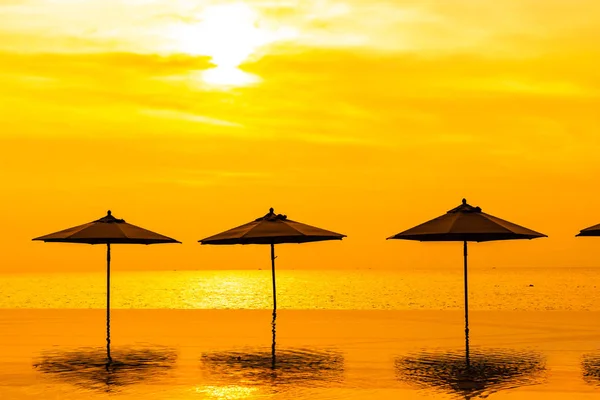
point(107, 230)
point(294, 367)
point(272, 229)
point(591, 368)
point(489, 371)
point(466, 223)
point(88, 368)
point(291, 367)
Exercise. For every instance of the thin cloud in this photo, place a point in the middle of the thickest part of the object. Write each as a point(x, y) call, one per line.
point(189, 117)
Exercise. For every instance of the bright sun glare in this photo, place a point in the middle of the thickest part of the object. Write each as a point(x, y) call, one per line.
point(229, 34)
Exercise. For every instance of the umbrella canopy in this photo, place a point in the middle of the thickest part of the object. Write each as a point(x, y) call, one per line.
point(591, 231)
point(466, 223)
point(107, 230)
point(272, 229)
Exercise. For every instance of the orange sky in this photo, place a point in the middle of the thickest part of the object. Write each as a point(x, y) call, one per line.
point(363, 117)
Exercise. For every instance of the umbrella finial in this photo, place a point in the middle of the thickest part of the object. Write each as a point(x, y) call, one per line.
point(109, 212)
point(464, 201)
point(271, 210)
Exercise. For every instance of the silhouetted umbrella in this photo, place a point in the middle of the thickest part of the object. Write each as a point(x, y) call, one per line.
point(107, 230)
point(466, 223)
point(272, 229)
point(591, 231)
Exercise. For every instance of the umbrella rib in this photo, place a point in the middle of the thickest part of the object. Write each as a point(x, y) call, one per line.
point(286, 223)
point(498, 221)
point(314, 227)
point(121, 230)
point(248, 231)
point(81, 228)
point(501, 222)
point(158, 235)
point(78, 231)
point(296, 229)
point(256, 226)
point(456, 215)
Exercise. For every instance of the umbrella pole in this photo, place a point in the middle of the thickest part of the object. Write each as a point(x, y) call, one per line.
point(108, 303)
point(273, 273)
point(466, 309)
point(274, 305)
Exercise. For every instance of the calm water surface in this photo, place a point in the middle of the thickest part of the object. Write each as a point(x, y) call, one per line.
point(230, 354)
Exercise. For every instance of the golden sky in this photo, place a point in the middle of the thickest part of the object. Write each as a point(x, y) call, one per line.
point(362, 117)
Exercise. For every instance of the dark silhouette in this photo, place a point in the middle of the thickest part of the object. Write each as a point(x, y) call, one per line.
point(591, 231)
point(466, 223)
point(272, 229)
point(489, 371)
point(89, 368)
point(591, 368)
point(107, 230)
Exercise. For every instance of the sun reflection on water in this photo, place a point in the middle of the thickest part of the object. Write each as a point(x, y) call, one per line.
point(227, 392)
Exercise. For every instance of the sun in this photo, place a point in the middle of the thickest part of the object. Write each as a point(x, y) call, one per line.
point(229, 34)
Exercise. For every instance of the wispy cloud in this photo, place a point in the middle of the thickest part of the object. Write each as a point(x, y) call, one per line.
point(183, 116)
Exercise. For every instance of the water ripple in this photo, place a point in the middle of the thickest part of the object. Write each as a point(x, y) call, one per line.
point(289, 367)
point(591, 368)
point(490, 370)
point(88, 367)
